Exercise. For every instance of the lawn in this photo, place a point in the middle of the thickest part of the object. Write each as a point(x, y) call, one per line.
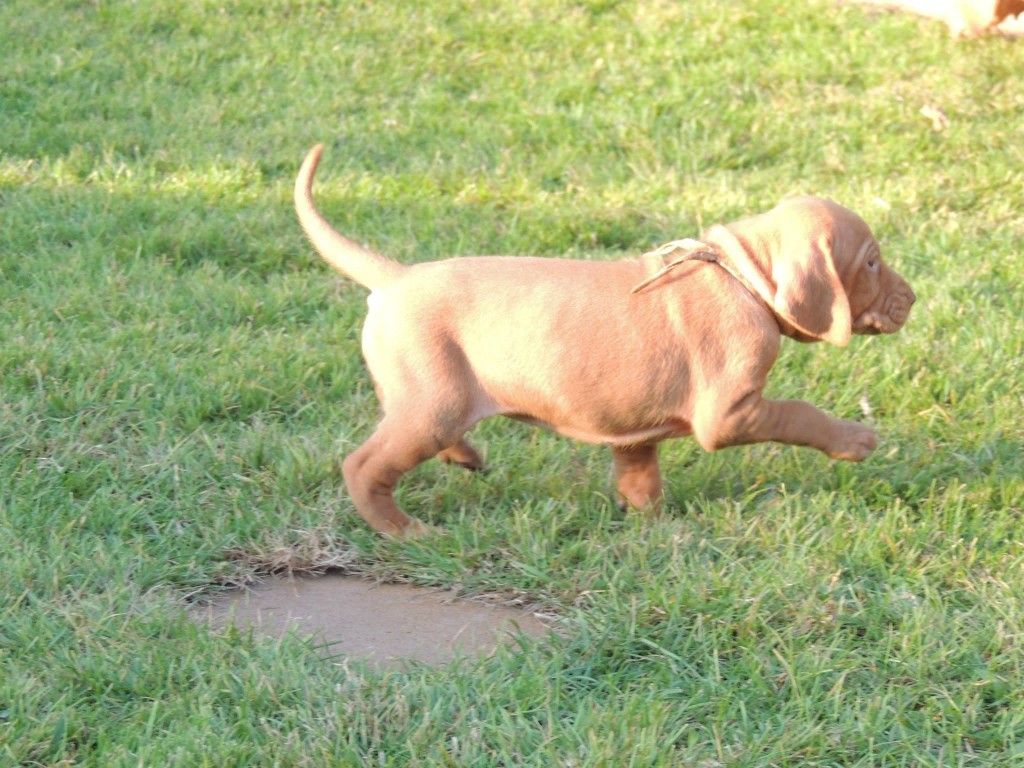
point(180, 375)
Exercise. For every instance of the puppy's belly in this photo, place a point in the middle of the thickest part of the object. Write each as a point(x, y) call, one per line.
point(669, 429)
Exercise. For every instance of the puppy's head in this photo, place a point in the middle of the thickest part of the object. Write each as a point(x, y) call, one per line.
point(819, 268)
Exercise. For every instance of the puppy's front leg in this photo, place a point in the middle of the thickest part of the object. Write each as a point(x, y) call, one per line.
point(794, 422)
point(637, 475)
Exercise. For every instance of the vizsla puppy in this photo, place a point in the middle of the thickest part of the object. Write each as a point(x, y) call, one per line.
point(626, 353)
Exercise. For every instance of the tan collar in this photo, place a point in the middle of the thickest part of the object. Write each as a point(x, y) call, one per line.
point(691, 250)
point(695, 250)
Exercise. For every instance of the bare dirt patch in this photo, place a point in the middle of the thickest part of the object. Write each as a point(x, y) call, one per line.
point(386, 624)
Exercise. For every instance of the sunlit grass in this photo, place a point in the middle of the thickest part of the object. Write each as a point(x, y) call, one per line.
point(180, 375)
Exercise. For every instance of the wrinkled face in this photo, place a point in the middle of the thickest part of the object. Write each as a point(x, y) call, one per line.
point(818, 267)
point(880, 299)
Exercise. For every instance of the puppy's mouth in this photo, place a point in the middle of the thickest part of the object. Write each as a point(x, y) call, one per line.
point(870, 323)
point(890, 319)
point(874, 323)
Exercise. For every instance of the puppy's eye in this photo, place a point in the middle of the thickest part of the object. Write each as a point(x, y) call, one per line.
point(872, 263)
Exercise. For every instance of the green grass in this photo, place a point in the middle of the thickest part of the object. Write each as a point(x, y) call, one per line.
point(179, 376)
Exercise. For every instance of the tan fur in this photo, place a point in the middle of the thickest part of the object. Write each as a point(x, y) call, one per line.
point(568, 345)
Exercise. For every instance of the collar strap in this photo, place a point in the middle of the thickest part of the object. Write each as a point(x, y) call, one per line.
point(695, 250)
point(689, 250)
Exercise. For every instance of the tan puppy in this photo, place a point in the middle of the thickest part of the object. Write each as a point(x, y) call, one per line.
point(626, 353)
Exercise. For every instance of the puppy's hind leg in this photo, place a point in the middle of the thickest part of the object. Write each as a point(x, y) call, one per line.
point(373, 470)
point(462, 454)
point(429, 399)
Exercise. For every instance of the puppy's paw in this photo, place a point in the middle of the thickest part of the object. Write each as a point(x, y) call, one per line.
point(854, 441)
point(417, 529)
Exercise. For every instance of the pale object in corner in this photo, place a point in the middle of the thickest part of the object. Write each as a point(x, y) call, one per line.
point(966, 18)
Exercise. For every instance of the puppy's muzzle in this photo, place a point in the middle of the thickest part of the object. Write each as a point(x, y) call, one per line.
point(898, 306)
point(891, 317)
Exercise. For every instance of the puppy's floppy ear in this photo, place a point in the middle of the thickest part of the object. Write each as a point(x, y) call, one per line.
point(810, 295)
point(792, 271)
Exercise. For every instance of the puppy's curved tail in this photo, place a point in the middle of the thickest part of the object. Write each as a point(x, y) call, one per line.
point(351, 259)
